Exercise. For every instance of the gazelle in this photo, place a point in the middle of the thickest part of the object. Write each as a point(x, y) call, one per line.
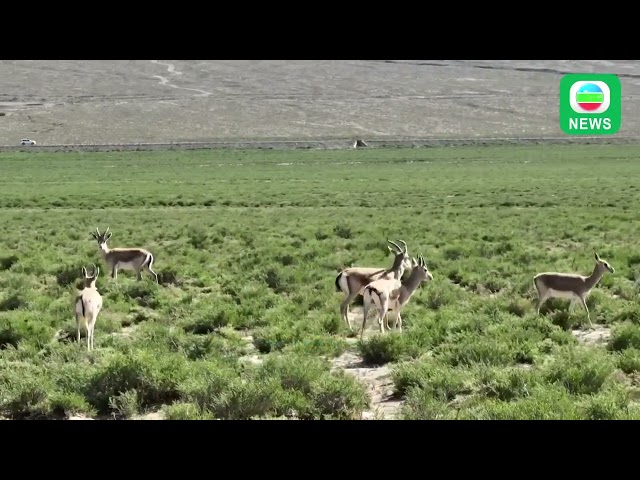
point(88, 305)
point(570, 286)
point(135, 259)
point(351, 281)
point(393, 294)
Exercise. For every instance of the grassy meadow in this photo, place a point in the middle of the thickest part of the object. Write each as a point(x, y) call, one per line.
point(245, 321)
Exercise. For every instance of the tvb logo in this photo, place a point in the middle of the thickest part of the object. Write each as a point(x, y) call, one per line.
point(590, 104)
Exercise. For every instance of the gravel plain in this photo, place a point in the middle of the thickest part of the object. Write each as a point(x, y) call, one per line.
point(293, 102)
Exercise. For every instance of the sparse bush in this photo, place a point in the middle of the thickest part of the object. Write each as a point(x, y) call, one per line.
point(7, 262)
point(211, 321)
point(205, 385)
point(609, 404)
point(469, 351)
point(155, 377)
point(244, 400)
point(271, 339)
point(277, 281)
point(186, 411)
point(318, 345)
point(441, 381)
point(625, 336)
point(506, 384)
point(421, 405)
point(125, 404)
point(343, 231)
point(629, 313)
point(579, 370)
point(542, 404)
point(629, 360)
point(69, 275)
point(384, 348)
point(338, 396)
point(519, 307)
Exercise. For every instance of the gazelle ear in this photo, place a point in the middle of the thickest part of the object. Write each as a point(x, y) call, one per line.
point(96, 273)
point(596, 255)
point(84, 272)
point(391, 249)
point(108, 236)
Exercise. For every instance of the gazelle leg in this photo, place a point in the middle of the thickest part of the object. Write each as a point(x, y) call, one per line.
point(385, 320)
point(344, 308)
point(155, 275)
point(365, 311)
point(584, 304)
point(399, 322)
point(541, 299)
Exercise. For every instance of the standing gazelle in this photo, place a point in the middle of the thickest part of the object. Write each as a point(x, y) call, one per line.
point(393, 294)
point(570, 286)
point(88, 305)
point(136, 259)
point(351, 281)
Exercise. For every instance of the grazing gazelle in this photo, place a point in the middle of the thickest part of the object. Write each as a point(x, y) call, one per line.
point(393, 294)
point(351, 281)
point(88, 305)
point(136, 259)
point(570, 286)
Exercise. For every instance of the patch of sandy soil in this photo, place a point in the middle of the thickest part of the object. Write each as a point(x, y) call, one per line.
point(377, 379)
point(378, 382)
point(251, 353)
point(125, 332)
point(145, 416)
point(598, 336)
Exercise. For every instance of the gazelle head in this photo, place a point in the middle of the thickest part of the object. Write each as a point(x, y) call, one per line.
point(419, 268)
point(102, 238)
point(402, 257)
point(602, 265)
point(90, 280)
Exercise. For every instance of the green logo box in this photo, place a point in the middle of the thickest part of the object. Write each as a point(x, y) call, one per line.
point(590, 104)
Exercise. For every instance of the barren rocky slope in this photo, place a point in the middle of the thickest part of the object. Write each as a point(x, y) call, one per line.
point(129, 101)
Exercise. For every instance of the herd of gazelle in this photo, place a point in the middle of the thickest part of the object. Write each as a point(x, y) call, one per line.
point(382, 288)
point(88, 301)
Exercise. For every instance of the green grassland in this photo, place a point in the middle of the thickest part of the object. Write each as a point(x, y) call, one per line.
point(245, 321)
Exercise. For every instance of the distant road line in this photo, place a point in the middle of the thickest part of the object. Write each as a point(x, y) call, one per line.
point(326, 143)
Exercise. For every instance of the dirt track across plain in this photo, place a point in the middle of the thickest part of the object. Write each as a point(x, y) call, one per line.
point(332, 102)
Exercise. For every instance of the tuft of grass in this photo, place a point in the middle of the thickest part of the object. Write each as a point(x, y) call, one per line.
point(580, 370)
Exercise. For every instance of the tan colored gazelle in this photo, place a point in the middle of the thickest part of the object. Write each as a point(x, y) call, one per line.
point(88, 305)
point(135, 259)
point(393, 294)
point(570, 286)
point(351, 281)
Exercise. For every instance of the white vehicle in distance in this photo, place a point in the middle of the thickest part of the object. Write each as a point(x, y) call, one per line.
point(27, 141)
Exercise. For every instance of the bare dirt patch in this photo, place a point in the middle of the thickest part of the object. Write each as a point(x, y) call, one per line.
point(596, 337)
point(378, 382)
point(377, 379)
